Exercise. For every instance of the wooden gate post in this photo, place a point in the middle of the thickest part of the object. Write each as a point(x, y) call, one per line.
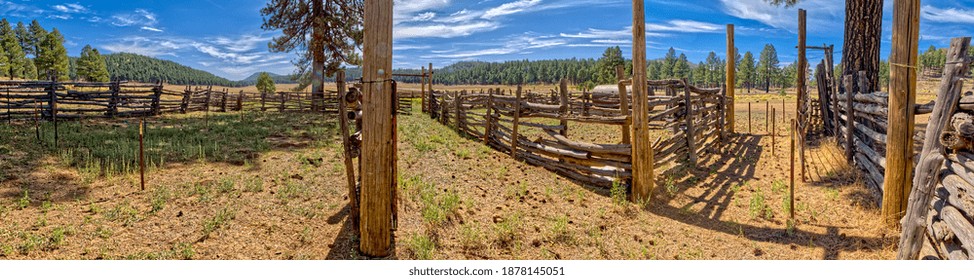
point(240, 98)
point(378, 132)
point(457, 105)
point(902, 97)
point(642, 149)
point(488, 124)
point(731, 79)
point(113, 103)
point(624, 105)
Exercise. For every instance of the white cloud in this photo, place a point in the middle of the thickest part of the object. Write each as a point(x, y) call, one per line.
point(153, 29)
point(424, 16)
point(407, 10)
point(685, 26)
point(138, 17)
point(73, 8)
point(443, 30)
point(145, 46)
point(950, 15)
point(510, 8)
point(244, 43)
point(515, 44)
point(823, 15)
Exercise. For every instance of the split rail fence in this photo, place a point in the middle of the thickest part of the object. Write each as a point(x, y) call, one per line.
point(689, 120)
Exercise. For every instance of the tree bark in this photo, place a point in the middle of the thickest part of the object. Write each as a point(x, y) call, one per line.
point(317, 52)
point(860, 51)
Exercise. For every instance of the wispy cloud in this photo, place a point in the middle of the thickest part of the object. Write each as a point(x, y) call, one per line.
point(443, 30)
point(138, 17)
point(950, 15)
point(145, 46)
point(510, 8)
point(827, 15)
point(153, 29)
point(73, 8)
point(515, 44)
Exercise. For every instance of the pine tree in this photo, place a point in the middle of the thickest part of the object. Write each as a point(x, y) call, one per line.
point(91, 66)
point(669, 62)
point(325, 33)
point(11, 47)
point(606, 66)
point(30, 70)
point(746, 71)
point(35, 37)
point(4, 63)
point(52, 57)
point(265, 84)
point(22, 36)
point(768, 66)
point(682, 68)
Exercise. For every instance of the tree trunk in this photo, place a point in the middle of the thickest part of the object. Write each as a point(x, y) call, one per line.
point(317, 52)
point(863, 30)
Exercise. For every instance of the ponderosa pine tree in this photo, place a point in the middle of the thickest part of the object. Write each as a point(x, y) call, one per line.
point(34, 37)
point(326, 34)
point(53, 57)
point(606, 66)
point(91, 66)
point(768, 66)
point(11, 47)
point(746, 71)
point(22, 35)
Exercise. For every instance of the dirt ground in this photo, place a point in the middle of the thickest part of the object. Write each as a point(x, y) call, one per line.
point(459, 200)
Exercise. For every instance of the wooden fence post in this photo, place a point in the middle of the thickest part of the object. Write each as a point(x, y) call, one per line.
point(802, 76)
point(284, 96)
point(624, 105)
point(209, 95)
point(223, 101)
point(457, 105)
point(767, 109)
point(902, 99)
point(142, 153)
point(642, 147)
point(184, 105)
point(156, 96)
point(794, 133)
point(563, 106)
point(850, 124)
point(721, 115)
point(263, 101)
point(514, 125)
point(52, 95)
point(749, 118)
point(731, 79)
point(422, 89)
point(774, 132)
point(113, 102)
point(691, 129)
point(928, 175)
point(240, 98)
point(378, 131)
point(488, 117)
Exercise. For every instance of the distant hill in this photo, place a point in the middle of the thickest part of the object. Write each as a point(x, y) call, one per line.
point(278, 79)
point(134, 67)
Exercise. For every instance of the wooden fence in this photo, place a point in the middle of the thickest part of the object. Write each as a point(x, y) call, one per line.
point(23, 100)
point(689, 119)
point(939, 220)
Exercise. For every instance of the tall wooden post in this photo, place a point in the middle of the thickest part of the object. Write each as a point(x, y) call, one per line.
point(422, 89)
point(803, 115)
point(430, 80)
point(691, 133)
point(791, 186)
point(142, 153)
point(378, 146)
point(515, 122)
point(624, 105)
point(642, 149)
point(731, 77)
point(850, 122)
point(563, 106)
point(902, 97)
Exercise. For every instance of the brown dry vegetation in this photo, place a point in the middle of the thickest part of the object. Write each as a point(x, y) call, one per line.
point(278, 192)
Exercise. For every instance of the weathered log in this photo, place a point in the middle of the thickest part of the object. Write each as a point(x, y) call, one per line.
point(960, 194)
point(963, 123)
point(619, 149)
point(954, 141)
point(961, 227)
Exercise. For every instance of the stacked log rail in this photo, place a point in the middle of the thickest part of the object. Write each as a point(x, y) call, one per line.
point(939, 220)
point(536, 127)
point(868, 136)
point(21, 100)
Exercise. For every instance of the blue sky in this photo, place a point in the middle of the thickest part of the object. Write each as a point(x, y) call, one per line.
point(224, 37)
